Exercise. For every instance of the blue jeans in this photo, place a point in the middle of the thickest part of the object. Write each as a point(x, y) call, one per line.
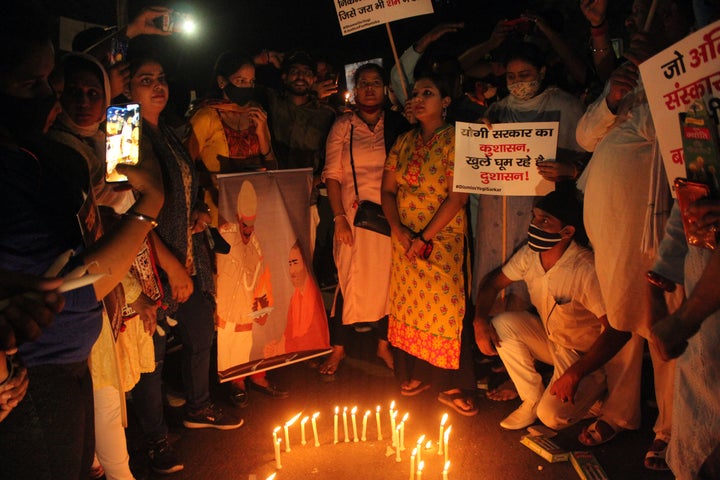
point(50, 434)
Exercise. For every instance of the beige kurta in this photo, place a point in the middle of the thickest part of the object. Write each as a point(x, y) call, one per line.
point(363, 267)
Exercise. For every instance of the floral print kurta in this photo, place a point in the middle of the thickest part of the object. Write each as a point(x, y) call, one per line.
point(427, 297)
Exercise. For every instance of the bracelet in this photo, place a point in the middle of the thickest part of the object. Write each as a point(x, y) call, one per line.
point(143, 218)
point(659, 281)
point(339, 215)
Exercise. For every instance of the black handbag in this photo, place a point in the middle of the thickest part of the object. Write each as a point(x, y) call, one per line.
point(369, 215)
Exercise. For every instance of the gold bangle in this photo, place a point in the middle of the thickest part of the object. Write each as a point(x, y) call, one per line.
point(143, 218)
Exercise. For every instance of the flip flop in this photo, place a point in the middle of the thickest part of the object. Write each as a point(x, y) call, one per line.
point(411, 392)
point(449, 399)
point(655, 456)
point(592, 437)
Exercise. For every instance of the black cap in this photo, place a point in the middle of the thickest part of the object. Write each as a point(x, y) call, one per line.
point(299, 57)
point(564, 206)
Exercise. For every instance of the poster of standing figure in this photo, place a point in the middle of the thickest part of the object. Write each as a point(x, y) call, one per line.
point(269, 309)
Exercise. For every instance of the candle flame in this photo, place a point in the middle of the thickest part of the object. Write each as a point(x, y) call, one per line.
point(377, 409)
point(428, 445)
point(337, 409)
point(344, 409)
point(304, 420)
point(367, 413)
point(271, 477)
point(447, 466)
point(421, 440)
point(277, 429)
point(444, 419)
point(354, 410)
point(347, 96)
point(405, 417)
point(414, 452)
point(447, 433)
point(421, 465)
point(392, 405)
point(315, 415)
point(293, 419)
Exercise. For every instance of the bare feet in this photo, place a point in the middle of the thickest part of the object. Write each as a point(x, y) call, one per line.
point(331, 364)
point(503, 392)
point(384, 353)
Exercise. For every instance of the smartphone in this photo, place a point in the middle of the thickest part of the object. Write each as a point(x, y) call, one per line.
point(118, 50)
point(174, 22)
point(122, 139)
point(687, 193)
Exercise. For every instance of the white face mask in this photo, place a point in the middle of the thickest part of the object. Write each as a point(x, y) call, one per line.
point(524, 90)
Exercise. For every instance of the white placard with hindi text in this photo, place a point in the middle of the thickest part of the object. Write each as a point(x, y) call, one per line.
point(503, 161)
point(356, 15)
point(675, 78)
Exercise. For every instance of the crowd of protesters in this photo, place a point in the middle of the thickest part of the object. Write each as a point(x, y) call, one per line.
point(573, 266)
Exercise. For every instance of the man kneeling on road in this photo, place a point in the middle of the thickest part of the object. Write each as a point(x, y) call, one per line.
point(569, 329)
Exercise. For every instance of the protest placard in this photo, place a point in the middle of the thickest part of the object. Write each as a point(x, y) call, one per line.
point(356, 15)
point(503, 161)
point(674, 79)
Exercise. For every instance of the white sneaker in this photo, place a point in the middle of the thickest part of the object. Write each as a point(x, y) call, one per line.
point(522, 417)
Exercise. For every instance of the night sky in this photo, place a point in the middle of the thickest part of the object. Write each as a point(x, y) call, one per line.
point(252, 25)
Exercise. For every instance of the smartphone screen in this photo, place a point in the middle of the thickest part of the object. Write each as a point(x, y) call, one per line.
point(122, 139)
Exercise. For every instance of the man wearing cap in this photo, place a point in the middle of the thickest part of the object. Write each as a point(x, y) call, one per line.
point(300, 125)
point(568, 330)
point(244, 287)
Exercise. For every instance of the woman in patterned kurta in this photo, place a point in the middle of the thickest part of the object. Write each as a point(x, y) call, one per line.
point(428, 223)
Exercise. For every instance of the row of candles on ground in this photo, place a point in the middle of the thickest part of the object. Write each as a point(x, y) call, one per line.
point(397, 431)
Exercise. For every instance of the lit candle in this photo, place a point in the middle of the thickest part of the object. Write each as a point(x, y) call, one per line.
point(364, 430)
point(272, 477)
point(445, 470)
point(412, 463)
point(428, 445)
point(275, 432)
point(278, 465)
point(345, 425)
point(288, 424)
point(446, 438)
point(395, 432)
point(347, 98)
point(302, 430)
point(377, 420)
point(421, 466)
point(397, 445)
point(402, 432)
point(419, 446)
point(354, 424)
point(335, 423)
point(314, 424)
point(440, 438)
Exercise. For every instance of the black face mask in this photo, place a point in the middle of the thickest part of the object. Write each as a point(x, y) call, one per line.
point(239, 95)
point(540, 240)
point(25, 118)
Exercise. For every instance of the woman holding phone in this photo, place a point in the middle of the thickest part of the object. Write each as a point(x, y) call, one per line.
point(187, 277)
point(429, 254)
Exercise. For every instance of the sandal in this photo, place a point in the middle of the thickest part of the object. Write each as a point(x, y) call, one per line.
point(655, 456)
point(462, 403)
point(597, 433)
point(417, 389)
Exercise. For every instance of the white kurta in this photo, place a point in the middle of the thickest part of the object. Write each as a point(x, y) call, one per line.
point(363, 267)
point(552, 105)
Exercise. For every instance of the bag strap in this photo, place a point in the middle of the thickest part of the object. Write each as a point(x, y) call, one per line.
point(352, 164)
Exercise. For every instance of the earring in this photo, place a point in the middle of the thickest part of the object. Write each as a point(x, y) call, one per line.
point(444, 113)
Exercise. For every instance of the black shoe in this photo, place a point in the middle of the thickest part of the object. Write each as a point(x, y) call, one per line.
point(211, 416)
point(163, 459)
point(239, 396)
point(271, 390)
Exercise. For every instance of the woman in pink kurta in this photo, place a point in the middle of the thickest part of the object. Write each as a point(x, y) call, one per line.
point(362, 257)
